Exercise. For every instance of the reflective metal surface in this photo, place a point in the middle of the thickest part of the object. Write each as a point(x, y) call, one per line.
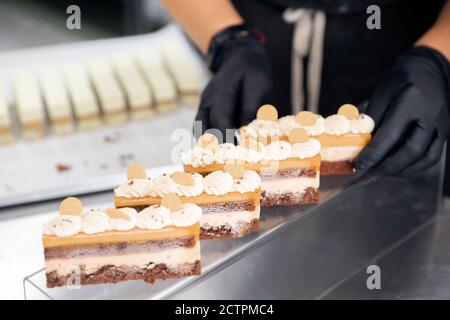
point(299, 252)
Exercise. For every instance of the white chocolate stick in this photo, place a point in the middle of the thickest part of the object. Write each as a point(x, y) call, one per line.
point(179, 61)
point(110, 95)
point(29, 104)
point(163, 88)
point(56, 99)
point(82, 96)
point(139, 97)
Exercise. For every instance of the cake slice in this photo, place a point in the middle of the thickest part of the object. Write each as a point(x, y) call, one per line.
point(29, 105)
point(97, 247)
point(82, 96)
point(289, 170)
point(342, 136)
point(163, 88)
point(180, 64)
point(139, 97)
point(229, 198)
point(109, 93)
point(346, 134)
point(56, 99)
point(6, 133)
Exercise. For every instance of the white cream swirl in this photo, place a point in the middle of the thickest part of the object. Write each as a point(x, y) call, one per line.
point(124, 224)
point(154, 217)
point(262, 128)
point(189, 215)
point(307, 149)
point(218, 183)
point(287, 123)
point(337, 125)
point(95, 221)
point(163, 185)
point(249, 182)
point(197, 157)
point(250, 155)
point(62, 226)
point(134, 188)
point(226, 152)
point(278, 150)
point(191, 191)
point(363, 125)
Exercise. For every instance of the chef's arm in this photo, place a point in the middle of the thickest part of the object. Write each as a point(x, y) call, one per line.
point(202, 19)
point(438, 37)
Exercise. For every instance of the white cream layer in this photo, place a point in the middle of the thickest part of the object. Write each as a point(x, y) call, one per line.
point(290, 185)
point(172, 257)
point(345, 153)
point(232, 218)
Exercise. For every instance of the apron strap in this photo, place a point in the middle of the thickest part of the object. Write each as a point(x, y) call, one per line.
point(308, 40)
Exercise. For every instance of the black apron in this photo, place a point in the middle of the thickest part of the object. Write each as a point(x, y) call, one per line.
point(354, 57)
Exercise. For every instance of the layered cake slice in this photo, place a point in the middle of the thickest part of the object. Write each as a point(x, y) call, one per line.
point(229, 198)
point(342, 135)
point(289, 170)
point(346, 134)
point(96, 247)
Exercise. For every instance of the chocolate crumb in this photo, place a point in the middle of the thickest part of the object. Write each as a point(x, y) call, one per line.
point(130, 183)
point(61, 167)
point(113, 138)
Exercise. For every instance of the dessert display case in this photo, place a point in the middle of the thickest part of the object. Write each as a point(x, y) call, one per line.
point(299, 252)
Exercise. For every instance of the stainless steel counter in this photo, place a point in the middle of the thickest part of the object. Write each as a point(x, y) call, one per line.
point(311, 252)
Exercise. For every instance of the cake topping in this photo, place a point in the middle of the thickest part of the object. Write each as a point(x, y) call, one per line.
point(218, 183)
point(307, 149)
point(172, 202)
point(95, 221)
point(191, 190)
point(267, 112)
point(122, 219)
point(278, 150)
point(117, 214)
point(183, 178)
point(349, 111)
point(249, 182)
point(298, 135)
point(163, 185)
point(198, 157)
point(235, 169)
point(154, 217)
point(208, 141)
point(306, 118)
point(136, 171)
point(252, 144)
point(134, 188)
point(363, 125)
point(63, 226)
point(71, 206)
point(225, 152)
point(187, 216)
point(337, 125)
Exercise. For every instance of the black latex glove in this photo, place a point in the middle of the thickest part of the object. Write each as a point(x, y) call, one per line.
point(241, 80)
point(411, 112)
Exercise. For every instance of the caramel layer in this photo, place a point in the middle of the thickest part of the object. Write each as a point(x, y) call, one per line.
point(269, 165)
point(327, 140)
point(123, 236)
point(201, 199)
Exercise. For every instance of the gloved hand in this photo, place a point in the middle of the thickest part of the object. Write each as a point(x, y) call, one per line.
point(241, 81)
point(411, 112)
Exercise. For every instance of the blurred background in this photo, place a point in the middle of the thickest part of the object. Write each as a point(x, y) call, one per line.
point(29, 23)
